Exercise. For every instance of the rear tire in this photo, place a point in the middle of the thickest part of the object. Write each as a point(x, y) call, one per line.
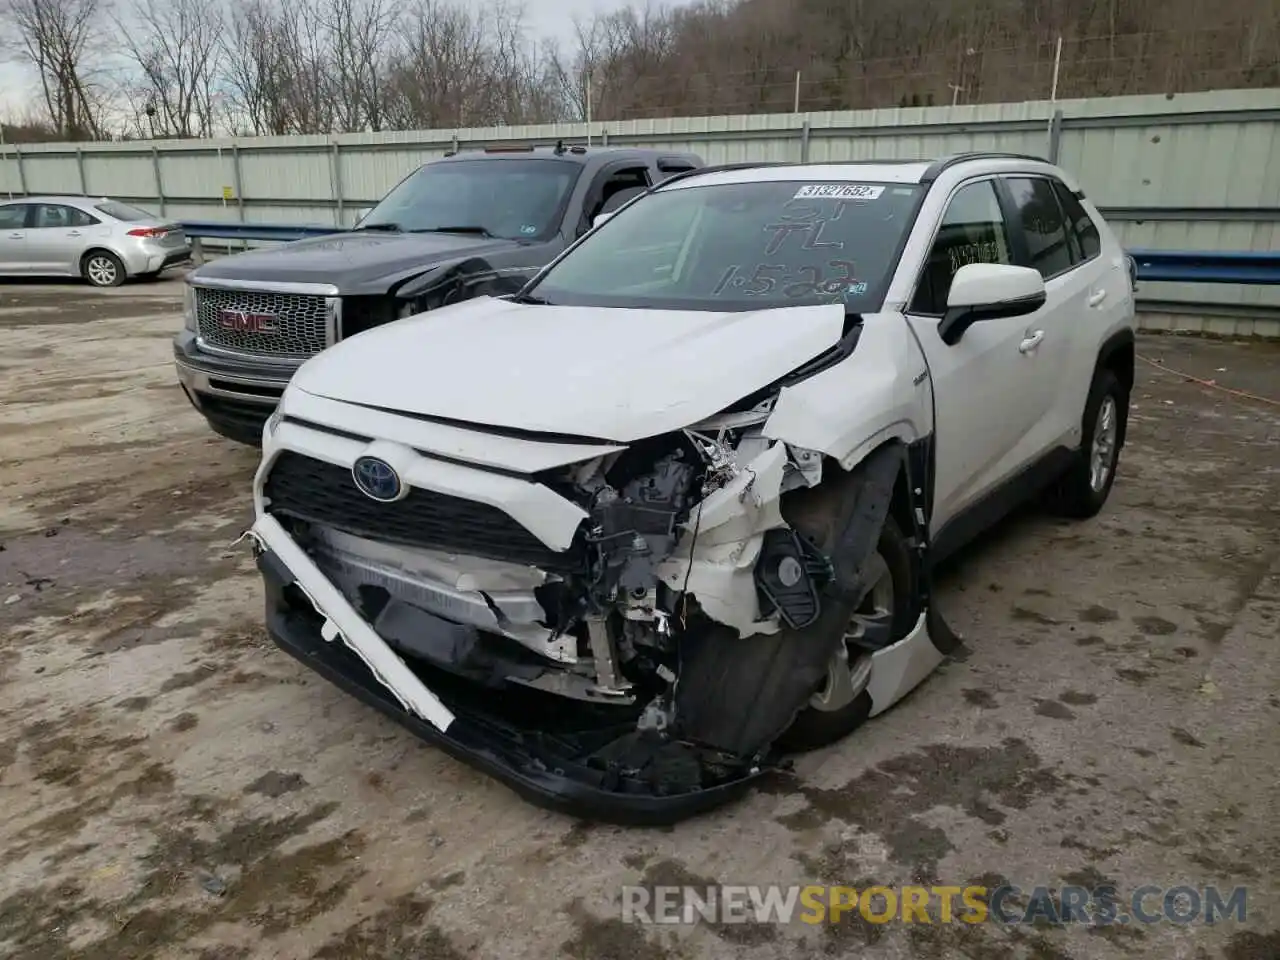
point(816, 727)
point(1085, 486)
point(102, 269)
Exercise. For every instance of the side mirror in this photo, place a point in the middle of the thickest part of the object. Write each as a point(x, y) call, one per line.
point(989, 291)
point(602, 217)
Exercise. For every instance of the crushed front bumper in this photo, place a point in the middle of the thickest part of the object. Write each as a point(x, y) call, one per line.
point(544, 762)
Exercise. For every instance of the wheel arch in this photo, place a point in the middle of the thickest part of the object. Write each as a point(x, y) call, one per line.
point(907, 495)
point(84, 258)
point(1118, 354)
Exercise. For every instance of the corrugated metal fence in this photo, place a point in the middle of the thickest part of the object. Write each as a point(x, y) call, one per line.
point(1192, 171)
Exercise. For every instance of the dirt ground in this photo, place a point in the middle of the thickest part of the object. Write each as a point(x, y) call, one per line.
point(173, 786)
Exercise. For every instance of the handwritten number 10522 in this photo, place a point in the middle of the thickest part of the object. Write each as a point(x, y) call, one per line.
point(766, 277)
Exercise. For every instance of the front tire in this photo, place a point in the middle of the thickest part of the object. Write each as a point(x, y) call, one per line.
point(102, 269)
point(1084, 488)
point(888, 600)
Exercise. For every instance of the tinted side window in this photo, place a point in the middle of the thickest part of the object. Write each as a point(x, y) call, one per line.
point(1079, 222)
point(13, 216)
point(1042, 224)
point(972, 231)
point(670, 167)
point(629, 178)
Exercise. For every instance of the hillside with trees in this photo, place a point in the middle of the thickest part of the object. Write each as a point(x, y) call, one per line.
point(192, 68)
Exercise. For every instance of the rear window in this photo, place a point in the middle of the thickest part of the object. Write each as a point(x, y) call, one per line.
point(122, 211)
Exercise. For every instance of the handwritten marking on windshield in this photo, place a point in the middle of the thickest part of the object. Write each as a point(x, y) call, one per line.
point(805, 281)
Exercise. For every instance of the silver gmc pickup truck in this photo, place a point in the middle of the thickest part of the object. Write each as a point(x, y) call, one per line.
point(472, 223)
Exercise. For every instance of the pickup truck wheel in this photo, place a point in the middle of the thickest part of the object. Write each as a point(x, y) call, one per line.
point(1084, 488)
point(102, 269)
point(885, 605)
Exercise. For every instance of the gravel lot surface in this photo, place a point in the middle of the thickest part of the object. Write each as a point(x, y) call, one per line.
point(173, 786)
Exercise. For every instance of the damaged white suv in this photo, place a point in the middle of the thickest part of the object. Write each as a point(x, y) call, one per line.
point(627, 538)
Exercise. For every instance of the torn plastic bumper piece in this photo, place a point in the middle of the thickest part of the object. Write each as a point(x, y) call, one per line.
point(548, 766)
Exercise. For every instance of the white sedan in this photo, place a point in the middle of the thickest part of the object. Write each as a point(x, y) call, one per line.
point(627, 538)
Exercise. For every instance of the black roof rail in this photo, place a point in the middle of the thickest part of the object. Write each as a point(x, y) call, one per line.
point(938, 166)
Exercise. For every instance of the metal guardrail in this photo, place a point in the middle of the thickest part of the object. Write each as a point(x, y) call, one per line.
point(1207, 266)
point(1178, 266)
point(201, 230)
point(226, 230)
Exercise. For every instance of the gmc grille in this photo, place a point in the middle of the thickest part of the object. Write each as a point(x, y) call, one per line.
point(277, 326)
point(323, 493)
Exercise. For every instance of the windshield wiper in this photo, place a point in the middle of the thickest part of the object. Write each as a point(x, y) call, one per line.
point(478, 231)
point(529, 298)
point(390, 227)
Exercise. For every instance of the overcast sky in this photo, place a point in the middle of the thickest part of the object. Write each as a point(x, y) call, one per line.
point(545, 18)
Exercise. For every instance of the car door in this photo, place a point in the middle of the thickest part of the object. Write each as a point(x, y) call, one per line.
point(1044, 239)
point(57, 238)
point(13, 239)
point(988, 387)
point(1103, 274)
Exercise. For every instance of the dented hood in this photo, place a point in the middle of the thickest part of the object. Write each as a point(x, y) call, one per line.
point(610, 374)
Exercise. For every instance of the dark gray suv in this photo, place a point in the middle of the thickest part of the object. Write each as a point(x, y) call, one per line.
point(472, 223)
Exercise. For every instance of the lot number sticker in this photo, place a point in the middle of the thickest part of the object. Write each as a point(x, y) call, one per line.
point(838, 191)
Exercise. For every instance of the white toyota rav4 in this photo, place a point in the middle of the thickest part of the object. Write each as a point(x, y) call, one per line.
point(627, 538)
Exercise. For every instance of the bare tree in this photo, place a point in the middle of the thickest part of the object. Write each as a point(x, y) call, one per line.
point(175, 46)
point(456, 66)
point(278, 68)
point(320, 66)
point(55, 37)
point(357, 34)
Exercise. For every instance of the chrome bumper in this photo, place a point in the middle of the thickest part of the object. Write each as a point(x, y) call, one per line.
point(265, 391)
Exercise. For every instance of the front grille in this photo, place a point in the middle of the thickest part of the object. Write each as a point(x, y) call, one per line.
point(284, 326)
point(325, 494)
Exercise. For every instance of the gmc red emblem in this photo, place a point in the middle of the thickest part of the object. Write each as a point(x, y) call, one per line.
point(242, 321)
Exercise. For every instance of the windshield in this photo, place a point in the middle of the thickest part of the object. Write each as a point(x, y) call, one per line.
point(742, 246)
point(122, 211)
point(516, 199)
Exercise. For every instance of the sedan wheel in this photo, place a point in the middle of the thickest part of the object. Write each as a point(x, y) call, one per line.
point(103, 270)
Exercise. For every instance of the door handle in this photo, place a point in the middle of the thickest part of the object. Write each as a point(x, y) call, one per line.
point(1097, 298)
point(1031, 342)
point(15, 236)
point(73, 233)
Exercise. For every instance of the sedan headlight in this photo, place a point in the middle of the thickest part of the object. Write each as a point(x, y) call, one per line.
point(189, 307)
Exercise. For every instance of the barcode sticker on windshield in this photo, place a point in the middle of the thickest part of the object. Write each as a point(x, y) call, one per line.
point(838, 191)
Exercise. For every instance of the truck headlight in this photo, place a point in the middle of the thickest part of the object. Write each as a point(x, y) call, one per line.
point(189, 307)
